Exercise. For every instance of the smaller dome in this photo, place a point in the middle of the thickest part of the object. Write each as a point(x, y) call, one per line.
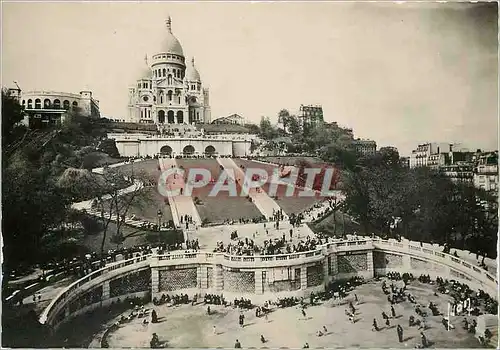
point(193, 74)
point(146, 71)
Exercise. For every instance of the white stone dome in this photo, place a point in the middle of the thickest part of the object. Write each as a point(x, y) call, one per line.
point(146, 71)
point(170, 43)
point(192, 73)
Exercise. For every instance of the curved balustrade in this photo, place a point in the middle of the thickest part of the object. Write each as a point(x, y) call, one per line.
point(480, 277)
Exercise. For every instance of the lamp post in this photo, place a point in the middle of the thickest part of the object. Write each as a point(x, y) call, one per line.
point(160, 214)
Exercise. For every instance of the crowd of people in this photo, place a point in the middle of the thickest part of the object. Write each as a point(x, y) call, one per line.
point(247, 246)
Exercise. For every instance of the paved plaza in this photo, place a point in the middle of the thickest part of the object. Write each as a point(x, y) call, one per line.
point(191, 326)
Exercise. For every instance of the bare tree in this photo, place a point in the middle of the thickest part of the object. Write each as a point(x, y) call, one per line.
point(111, 194)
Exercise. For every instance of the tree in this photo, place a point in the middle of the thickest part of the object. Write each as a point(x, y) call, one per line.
point(266, 129)
point(113, 198)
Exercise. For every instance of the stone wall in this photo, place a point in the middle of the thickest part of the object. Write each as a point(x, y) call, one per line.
point(352, 263)
point(314, 275)
point(86, 299)
point(210, 277)
point(132, 283)
point(239, 281)
point(171, 280)
point(422, 265)
point(383, 260)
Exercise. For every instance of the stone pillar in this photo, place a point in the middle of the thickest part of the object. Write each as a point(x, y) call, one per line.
point(105, 290)
point(406, 262)
point(369, 260)
point(155, 281)
point(259, 284)
point(202, 277)
point(303, 277)
point(218, 276)
point(335, 266)
point(326, 270)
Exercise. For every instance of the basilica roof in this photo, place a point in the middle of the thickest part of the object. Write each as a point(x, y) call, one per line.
point(170, 43)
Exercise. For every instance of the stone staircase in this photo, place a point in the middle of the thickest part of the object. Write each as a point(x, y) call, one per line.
point(180, 205)
point(261, 199)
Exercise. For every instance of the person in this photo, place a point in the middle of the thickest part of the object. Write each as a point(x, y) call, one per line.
point(400, 333)
point(425, 343)
point(387, 323)
point(384, 315)
point(326, 330)
point(356, 298)
point(242, 320)
point(262, 339)
point(208, 310)
point(393, 312)
point(375, 326)
point(154, 317)
point(215, 330)
point(304, 313)
point(306, 346)
point(237, 345)
point(155, 342)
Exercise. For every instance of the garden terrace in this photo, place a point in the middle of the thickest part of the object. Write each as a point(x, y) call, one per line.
point(222, 207)
point(290, 204)
point(149, 168)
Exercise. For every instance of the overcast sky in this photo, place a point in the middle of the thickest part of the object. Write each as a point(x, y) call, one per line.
point(400, 74)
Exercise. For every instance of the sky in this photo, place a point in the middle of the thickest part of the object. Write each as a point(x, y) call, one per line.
point(400, 74)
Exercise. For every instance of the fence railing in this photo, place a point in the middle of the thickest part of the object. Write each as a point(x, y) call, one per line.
point(191, 257)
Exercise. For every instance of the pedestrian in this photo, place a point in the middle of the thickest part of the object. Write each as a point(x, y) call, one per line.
point(262, 339)
point(215, 330)
point(356, 298)
point(326, 330)
point(208, 310)
point(306, 346)
point(393, 312)
point(375, 326)
point(304, 313)
point(387, 323)
point(400, 333)
point(384, 315)
point(237, 345)
point(425, 343)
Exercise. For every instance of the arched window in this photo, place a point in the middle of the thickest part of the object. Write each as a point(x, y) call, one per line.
point(161, 97)
point(149, 113)
point(175, 73)
point(142, 114)
point(155, 73)
point(180, 117)
point(46, 103)
point(164, 72)
point(29, 103)
point(38, 104)
point(57, 104)
point(170, 117)
point(24, 103)
point(66, 104)
point(170, 95)
point(169, 80)
point(161, 117)
point(75, 104)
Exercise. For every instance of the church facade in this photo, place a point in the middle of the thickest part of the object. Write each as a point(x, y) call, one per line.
point(169, 90)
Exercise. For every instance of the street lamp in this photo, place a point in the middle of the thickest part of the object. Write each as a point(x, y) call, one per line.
point(160, 214)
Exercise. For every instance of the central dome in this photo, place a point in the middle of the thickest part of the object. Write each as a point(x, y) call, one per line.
point(170, 43)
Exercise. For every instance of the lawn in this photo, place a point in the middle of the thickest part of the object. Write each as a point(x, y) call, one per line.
point(290, 204)
point(290, 160)
point(149, 168)
point(222, 207)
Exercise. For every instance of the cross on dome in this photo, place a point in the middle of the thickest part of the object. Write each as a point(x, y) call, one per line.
point(169, 24)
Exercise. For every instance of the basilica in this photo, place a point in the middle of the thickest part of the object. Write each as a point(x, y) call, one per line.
point(169, 91)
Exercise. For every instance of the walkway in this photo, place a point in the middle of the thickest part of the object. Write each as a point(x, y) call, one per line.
point(180, 205)
point(261, 199)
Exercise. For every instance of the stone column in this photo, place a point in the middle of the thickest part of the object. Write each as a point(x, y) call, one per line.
point(218, 277)
point(335, 267)
point(155, 281)
point(303, 277)
point(202, 277)
point(369, 260)
point(105, 290)
point(258, 282)
point(326, 270)
point(406, 262)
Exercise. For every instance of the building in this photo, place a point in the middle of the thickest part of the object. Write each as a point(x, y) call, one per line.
point(459, 172)
point(168, 90)
point(405, 162)
point(420, 156)
point(364, 147)
point(49, 108)
point(232, 119)
point(311, 115)
point(486, 172)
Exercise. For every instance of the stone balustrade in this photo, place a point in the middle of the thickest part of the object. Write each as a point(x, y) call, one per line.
point(254, 276)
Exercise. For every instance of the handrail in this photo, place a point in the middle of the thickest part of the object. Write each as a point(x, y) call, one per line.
point(87, 278)
point(321, 250)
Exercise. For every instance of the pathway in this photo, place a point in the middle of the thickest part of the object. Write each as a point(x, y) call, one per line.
point(180, 205)
point(261, 199)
